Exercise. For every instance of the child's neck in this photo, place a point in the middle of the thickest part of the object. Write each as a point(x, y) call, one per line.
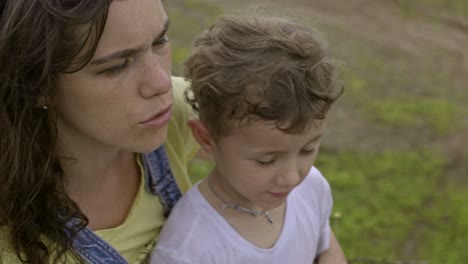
point(255, 229)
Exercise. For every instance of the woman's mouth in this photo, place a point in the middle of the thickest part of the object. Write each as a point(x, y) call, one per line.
point(160, 119)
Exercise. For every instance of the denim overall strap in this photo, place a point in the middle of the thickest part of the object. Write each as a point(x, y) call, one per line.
point(93, 249)
point(160, 179)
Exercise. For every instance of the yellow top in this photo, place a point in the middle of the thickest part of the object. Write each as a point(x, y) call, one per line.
point(180, 145)
point(141, 228)
point(136, 237)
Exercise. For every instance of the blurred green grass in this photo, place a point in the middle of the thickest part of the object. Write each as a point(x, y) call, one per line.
point(384, 197)
point(390, 203)
point(449, 7)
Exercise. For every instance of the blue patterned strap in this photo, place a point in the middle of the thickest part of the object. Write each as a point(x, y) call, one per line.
point(93, 249)
point(96, 250)
point(160, 179)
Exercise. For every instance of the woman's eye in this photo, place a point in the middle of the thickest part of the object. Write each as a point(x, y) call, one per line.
point(307, 152)
point(160, 42)
point(115, 69)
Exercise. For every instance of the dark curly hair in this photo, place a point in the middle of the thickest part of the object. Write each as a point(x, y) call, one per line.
point(261, 67)
point(39, 39)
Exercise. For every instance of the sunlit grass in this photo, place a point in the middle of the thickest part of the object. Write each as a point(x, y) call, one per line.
point(446, 226)
point(438, 113)
point(188, 19)
point(380, 197)
point(448, 7)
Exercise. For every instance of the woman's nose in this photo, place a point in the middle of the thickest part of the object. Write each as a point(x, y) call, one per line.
point(155, 76)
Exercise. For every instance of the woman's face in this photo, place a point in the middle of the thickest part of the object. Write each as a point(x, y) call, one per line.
point(122, 99)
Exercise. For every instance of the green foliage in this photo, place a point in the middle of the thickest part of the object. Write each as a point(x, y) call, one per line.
point(188, 19)
point(440, 114)
point(355, 84)
point(179, 55)
point(459, 7)
point(447, 221)
point(199, 169)
point(386, 91)
point(384, 197)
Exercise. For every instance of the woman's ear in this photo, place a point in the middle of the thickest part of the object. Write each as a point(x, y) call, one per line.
point(202, 135)
point(42, 103)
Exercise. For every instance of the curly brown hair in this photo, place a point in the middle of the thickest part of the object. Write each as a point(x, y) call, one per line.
point(39, 39)
point(261, 67)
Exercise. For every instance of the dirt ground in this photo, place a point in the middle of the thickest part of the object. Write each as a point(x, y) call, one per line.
point(382, 21)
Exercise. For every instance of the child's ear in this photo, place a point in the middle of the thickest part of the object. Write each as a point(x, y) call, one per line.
point(202, 135)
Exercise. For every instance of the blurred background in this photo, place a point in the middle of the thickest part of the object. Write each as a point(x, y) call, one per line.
point(396, 150)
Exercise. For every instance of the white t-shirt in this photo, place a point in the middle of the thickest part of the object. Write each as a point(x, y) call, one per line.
point(195, 233)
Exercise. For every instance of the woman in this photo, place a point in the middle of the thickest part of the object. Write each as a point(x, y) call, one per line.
point(84, 87)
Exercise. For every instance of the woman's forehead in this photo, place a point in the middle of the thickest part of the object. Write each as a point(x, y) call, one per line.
point(131, 24)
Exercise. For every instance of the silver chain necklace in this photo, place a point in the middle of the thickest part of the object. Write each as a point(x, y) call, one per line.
point(237, 207)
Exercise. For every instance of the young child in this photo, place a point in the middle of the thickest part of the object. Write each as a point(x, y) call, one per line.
point(262, 87)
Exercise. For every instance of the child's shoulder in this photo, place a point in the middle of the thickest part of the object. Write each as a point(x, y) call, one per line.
point(189, 224)
point(315, 181)
point(187, 209)
point(314, 191)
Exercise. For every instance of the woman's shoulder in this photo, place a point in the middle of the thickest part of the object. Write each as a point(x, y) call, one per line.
point(181, 111)
point(4, 241)
point(180, 144)
point(7, 254)
point(179, 85)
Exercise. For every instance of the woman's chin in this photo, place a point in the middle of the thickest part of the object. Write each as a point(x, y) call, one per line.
point(151, 142)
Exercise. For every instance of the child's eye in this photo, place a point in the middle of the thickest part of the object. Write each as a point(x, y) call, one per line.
point(115, 69)
point(266, 162)
point(306, 152)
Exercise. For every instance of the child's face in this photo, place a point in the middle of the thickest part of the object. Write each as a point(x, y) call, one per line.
point(257, 165)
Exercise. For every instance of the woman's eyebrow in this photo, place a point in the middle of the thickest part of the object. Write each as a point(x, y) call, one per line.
point(128, 52)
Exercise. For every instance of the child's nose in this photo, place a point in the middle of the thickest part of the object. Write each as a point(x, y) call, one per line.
point(289, 179)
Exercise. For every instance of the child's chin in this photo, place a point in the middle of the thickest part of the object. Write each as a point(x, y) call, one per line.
point(274, 205)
